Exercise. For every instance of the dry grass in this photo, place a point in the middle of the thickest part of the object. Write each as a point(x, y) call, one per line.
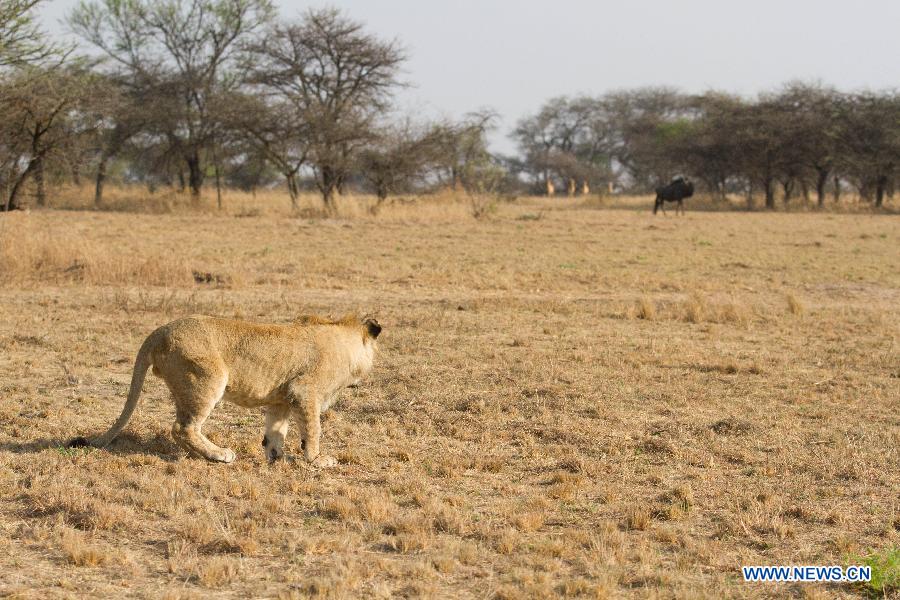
point(593, 403)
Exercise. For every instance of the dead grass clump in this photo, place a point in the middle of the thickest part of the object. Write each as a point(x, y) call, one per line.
point(338, 508)
point(409, 533)
point(644, 309)
point(695, 309)
point(528, 521)
point(698, 309)
point(637, 518)
point(180, 554)
point(655, 444)
point(795, 307)
point(678, 502)
point(450, 520)
point(732, 426)
point(733, 313)
point(375, 508)
point(199, 531)
point(408, 543)
point(507, 541)
point(490, 464)
point(81, 553)
point(451, 466)
point(218, 571)
point(444, 564)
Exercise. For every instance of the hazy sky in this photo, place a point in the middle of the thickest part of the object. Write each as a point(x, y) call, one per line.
point(512, 55)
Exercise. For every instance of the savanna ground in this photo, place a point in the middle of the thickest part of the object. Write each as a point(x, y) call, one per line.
point(568, 401)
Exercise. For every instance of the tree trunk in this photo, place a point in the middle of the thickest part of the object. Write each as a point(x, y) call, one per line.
point(101, 179)
point(770, 193)
point(12, 202)
point(821, 180)
point(40, 190)
point(880, 186)
point(788, 186)
point(837, 189)
point(327, 187)
point(293, 189)
point(76, 172)
point(865, 190)
point(218, 187)
point(195, 175)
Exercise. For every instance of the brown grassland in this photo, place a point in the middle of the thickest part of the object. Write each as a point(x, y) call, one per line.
point(570, 400)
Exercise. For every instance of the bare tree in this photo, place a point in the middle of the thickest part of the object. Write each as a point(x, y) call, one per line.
point(336, 79)
point(185, 52)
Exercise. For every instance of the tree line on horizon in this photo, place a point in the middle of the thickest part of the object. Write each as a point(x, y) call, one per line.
point(193, 93)
point(804, 140)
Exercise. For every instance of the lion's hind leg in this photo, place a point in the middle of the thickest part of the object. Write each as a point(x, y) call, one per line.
point(194, 401)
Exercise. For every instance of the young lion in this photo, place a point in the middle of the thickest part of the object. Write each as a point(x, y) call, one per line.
point(294, 370)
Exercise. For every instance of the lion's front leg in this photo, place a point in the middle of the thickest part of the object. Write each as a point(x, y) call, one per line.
point(308, 413)
point(277, 420)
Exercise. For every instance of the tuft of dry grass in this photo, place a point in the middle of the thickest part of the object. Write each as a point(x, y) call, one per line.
point(795, 306)
point(644, 308)
point(81, 553)
point(637, 518)
point(218, 571)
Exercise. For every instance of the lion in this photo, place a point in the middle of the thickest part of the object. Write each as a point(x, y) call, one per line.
point(295, 370)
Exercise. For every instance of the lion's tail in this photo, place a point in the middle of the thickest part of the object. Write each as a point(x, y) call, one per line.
point(141, 364)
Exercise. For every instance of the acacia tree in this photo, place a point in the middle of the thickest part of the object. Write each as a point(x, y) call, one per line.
point(640, 131)
point(401, 156)
point(555, 140)
point(535, 136)
point(336, 79)
point(271, 131)
point(21, 41)
point(815, 114)
point(184, 54)
point(40, 108)
point(871, 137)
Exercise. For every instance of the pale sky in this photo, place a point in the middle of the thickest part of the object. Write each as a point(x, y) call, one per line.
point(513, 55)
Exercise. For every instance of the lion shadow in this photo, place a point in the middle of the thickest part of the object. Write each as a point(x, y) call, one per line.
point(125, 444)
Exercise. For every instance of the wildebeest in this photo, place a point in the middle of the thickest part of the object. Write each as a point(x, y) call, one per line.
point(679, 189)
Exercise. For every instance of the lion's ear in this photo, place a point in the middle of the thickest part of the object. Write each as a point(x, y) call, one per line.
point(372, 327)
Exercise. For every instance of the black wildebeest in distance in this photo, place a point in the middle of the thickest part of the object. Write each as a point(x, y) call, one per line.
point(679, 189)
